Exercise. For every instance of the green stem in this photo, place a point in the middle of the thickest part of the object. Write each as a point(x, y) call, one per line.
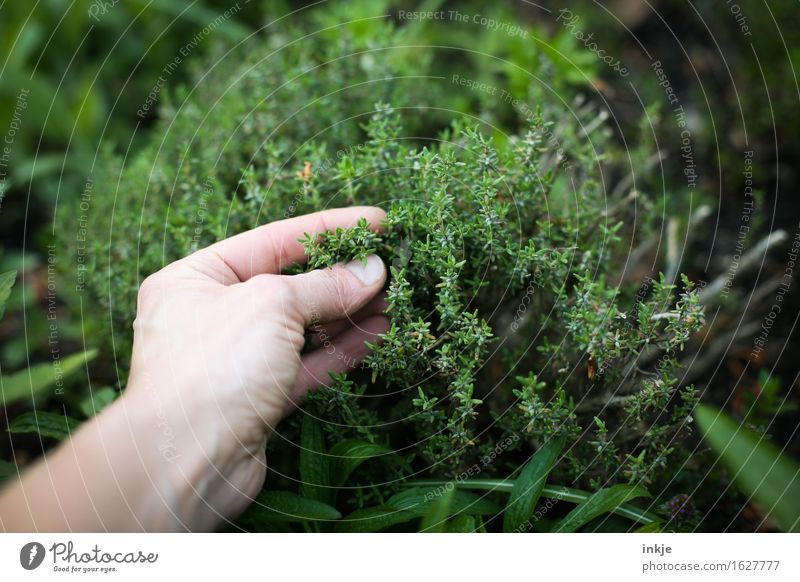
point(550, 491)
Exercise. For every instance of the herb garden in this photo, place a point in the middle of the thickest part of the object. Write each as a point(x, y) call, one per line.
point(556, 329)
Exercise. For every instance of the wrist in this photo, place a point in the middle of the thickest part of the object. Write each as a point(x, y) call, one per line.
point(172, 458)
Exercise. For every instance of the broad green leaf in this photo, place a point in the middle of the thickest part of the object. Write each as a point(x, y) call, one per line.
point(33, 381)
point(528, 486)
point(347, 455)
point(97, 400)
point(418, 500)
point(758, 467)
point(415, 503)
point(435, 519)
point(604, 501)
point(47, 424)
point(558, 492)
point(7, 470)
point(654, 527)
point(462, 523)
point(314, 463)
point(374, 519)
point(6, 283)
point(29, 39)
point(285, 506)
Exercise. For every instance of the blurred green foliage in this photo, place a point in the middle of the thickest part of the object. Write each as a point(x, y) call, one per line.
point(86, 67)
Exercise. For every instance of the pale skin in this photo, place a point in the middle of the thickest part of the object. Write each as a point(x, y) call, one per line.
point(216, 365)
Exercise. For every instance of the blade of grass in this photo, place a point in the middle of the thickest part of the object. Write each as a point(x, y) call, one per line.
point(549, 491)
point(604, 501)
point(760, 469)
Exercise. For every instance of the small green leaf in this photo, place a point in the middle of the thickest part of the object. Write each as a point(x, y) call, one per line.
point(435, 519)
point(314, 463)
point(759, 468)
point(374, 519)
point(285, 506)
point(47, 424)
point(33, 381)
point(6, 283)
point(528, 487)
point(347, 455)
point(604, 501)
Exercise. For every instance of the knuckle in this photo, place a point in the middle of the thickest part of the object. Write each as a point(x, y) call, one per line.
point(151, 290)
point(262, 290)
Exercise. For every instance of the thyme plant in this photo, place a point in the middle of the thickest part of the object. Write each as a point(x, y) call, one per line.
point(514, 321)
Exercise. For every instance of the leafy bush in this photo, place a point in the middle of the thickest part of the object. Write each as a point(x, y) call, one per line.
point(512, 324)
point(80, 61)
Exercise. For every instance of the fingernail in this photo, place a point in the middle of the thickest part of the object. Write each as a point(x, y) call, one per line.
point(368, 273)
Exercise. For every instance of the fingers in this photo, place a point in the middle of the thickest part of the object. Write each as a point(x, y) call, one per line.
point(326, 295)
point(324, 332)
point(344, 353)
point(269, 249)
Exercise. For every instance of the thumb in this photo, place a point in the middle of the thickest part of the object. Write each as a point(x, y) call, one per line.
point(331, 294)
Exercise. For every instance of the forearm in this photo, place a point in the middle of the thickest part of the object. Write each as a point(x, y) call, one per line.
point(114, 474)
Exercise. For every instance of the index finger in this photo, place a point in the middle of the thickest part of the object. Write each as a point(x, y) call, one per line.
point(271, 248)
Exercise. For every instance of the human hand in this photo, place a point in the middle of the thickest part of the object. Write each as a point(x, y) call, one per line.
point(216, 364)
